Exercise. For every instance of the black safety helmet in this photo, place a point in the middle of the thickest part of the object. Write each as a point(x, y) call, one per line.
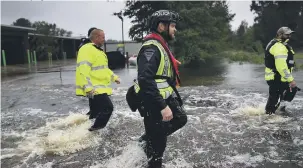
point(165, 16)
point(90, 30)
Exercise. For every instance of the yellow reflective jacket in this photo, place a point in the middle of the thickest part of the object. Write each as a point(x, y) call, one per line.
point(92, 72)
point(279, 61)
point(164, 69)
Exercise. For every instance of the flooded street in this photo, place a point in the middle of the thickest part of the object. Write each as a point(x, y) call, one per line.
point(43, 123)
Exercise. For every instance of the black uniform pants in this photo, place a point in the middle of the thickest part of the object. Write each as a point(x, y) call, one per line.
point(101, 108)
point(90, 104)
point(276, 89)
point(157, 130)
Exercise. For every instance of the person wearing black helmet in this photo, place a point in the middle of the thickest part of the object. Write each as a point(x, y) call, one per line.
point(156, 84)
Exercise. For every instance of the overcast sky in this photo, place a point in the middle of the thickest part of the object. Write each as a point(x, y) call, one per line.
point(79, 16)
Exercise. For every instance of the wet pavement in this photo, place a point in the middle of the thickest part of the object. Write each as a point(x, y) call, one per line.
point(43, 123)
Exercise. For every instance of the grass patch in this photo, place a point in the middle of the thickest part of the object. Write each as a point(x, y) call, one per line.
point(244, 56)
point(251, 57)
point(298, 55)
point(299, 60)
point(299, 66)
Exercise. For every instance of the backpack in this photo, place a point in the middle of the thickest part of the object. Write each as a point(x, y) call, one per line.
point(134, 101)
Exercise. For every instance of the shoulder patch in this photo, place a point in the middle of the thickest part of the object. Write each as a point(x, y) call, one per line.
point(148, 53)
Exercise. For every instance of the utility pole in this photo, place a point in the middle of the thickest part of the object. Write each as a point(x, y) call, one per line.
point(121, 18)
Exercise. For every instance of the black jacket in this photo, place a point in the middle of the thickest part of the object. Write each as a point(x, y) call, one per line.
point(83, 41)
point(148, 62)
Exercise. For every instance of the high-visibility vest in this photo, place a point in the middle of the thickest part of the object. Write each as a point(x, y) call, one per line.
point(279, 61)
point(92, 72)
point(164, 69)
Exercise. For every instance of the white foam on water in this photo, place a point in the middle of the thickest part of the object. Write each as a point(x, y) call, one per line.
point(257, 119)
point(298, 141)
point(120, 91)
point(26, 159)
point(132, 156)
point(249, 110)
point(232, 128)
point(5, 156)
point(246, 159)
point(36, 112)
point(272, 152)
point(12, 133)
point(48, 89)
point(62, 136)
point(216, 119)
point(126, 114)
point(275, 119)
point(46, 165)
point(178, 163)
point(69, 134)
point(8, 153)
point(187, 107)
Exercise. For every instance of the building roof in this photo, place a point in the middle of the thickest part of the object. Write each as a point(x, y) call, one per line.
point(17, 27)
point(61, 37)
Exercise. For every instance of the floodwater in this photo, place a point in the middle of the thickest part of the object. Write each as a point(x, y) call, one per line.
point(43, 123)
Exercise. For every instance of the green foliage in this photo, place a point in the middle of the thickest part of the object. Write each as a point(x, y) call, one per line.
point(199, 37)
point(140, 11)
point(299, 60)
point(298, 67)
point(45, 43)
point(50, 29)
point(243, 56)
point(43, 27)
point(22, 22)
point(203, 31)
point(298, 55)
point(244, 39)
point(271, 15)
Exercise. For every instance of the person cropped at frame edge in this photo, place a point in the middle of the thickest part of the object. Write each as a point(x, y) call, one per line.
point(279, 62)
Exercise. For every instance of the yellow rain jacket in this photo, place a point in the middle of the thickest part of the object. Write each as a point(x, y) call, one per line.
point(92, 72)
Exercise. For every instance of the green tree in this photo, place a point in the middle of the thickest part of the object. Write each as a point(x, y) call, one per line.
point(271, 15)
point(242, 28)
point(140, 11)
point(22, 22)
point(203, 31)
point(199, 37)
point(45, 43)
point(50, 29)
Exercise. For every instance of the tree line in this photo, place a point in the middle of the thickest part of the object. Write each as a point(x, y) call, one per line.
point(43, 27)
point(205, 29)
point(45, 44)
